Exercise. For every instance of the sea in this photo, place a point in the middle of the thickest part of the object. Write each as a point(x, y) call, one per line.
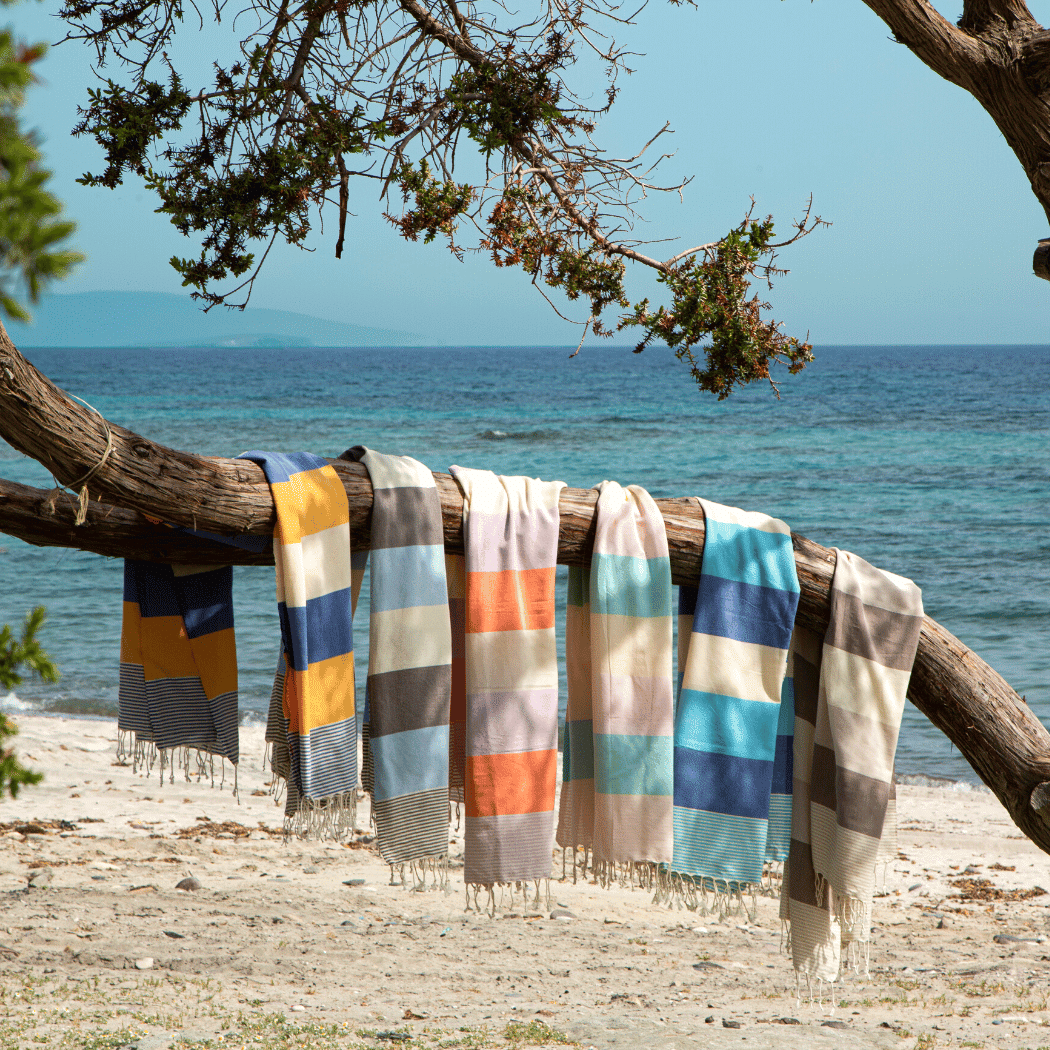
point(930, 461)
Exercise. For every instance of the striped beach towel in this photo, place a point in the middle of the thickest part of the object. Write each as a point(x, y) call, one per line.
point(178, 664)
point(311, 548)
point(455, 576)
point(618, 765)
point(511, 544)
point(734, 631)
point(409, 662)
point(850, 695)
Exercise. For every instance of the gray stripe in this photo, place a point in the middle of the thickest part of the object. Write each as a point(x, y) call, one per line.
point(822, 778)
point(407, 517)
point(412, 827)
point(886, 638)
point(862, 803)
point(412, 698)
point(327, 759)
point(133, 713)
point(807, 689)
point(508, 848)
point(802, 880)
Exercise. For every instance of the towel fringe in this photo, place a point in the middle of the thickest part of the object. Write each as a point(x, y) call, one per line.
point(705, 895)
point(533, 894)
point(332, 818)
point(194, 762)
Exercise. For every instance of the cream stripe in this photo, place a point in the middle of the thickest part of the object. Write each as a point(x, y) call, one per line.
point(413, 637)
point(501, 660)
point(863, 687)
point(395, 472)
point(749, 519)
point(728, 667)
point(633, 645)
point(876, 587)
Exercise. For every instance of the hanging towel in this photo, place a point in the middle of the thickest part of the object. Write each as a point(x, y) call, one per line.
point(850, 696)
point(178, 662)
point(734, 632)
point(277, 725)
point(311, 549)
point(617, 784)
point(409, 660)
point(511, 542)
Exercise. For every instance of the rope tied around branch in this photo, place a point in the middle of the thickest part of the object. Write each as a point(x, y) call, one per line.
point(81, 482)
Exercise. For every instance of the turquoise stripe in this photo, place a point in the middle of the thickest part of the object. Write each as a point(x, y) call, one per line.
point(726, 725)
point(626, 586)
point(579, 585)
point(633, 765)
point(578, 762)
point(718, 846)
point(411, 577)
point(735, 552)
point(408, 762)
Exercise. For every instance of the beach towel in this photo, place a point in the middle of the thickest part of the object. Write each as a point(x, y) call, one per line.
point(311, 548)
point(409, 664)
point(277, 725)
point(734, 631)
point(849, 700)
point(510, 533)
point(178, 666)
point(618, 765)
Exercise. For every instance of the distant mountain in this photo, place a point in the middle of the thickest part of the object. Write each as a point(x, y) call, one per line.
point(162, 319)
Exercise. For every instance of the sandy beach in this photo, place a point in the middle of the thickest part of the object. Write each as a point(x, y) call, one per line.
point(311, 943)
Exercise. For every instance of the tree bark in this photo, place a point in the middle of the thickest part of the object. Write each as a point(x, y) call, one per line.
point(991, 725)
point(1001, 55)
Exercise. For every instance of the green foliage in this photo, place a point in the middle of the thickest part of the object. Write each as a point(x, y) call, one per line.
point(709, 300)
point(15, 654)
point(30, 228)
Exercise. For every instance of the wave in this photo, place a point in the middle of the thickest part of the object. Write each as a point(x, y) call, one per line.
point(943, 783)
point(523, 435)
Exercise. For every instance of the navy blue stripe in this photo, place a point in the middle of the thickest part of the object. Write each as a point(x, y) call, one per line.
point(783, 765)
point(155, 589)
point(206, 599)
point(686, 600)
point(722, 783)
point(745, 612)
point(320, 631)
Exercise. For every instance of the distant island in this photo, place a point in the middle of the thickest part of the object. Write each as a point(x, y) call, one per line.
point(115, 318)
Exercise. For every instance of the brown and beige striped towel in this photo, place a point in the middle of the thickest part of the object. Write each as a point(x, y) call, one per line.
point(849, 699)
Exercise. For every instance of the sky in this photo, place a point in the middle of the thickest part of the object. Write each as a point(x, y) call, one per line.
point(934, 224)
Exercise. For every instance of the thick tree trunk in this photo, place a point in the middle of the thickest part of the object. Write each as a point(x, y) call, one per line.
point(990, 724)
point(1001, 55)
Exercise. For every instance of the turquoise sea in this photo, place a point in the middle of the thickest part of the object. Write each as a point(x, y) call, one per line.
point(932, 462)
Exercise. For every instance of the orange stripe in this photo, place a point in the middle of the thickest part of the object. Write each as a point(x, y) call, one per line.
point(512, 600)
point(215, 656)
point(131, 634)
point(323, 693)
point(166, 650)
point(309, 502)
point(523, 782)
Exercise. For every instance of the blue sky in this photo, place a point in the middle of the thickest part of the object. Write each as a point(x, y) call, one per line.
point(934, 223)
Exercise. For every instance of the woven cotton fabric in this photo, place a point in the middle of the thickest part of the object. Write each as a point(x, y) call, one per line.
point(409, 660)
point(178, 659)
point(850, 694)
point(313, 570)
point(734, 631)
point(511, 671)
point(617, 787)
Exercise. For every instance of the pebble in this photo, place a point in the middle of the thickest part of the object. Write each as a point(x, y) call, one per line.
point(731, 1024)
point(310, 869)
point(563, 913)
point(144, 964)
point(353, 882)
point(40, 877)
point(833, 1024)
point(709, 1020)
point(297, 1008)
point(189, 884)
point(174, 936)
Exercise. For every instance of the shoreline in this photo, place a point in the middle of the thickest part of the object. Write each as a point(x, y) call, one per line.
point(317, 933)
